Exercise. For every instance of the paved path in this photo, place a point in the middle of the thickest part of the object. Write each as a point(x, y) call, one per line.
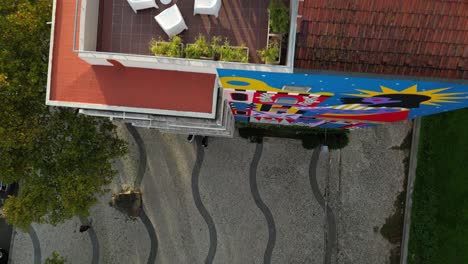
point(167, 187)
point(330, 234)
point(238, 202)
point(142, 165)
point(142, 160)
point(36, 245)
point(261, 205)
point(94, 240)
point(365, 179)
point(199, 203)
point(225, 191)
point(233, 202)
point(283, 182)
point(152, 235)
point(409, 189)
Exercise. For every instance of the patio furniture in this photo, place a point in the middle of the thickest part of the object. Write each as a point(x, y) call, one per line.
point(171, 21)
point(142, 4)
point(207, 7)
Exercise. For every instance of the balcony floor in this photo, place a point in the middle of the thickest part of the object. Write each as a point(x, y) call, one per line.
point(241, 21)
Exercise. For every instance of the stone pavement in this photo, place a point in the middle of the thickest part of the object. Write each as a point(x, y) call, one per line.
point(365, 180)
point(240, 202)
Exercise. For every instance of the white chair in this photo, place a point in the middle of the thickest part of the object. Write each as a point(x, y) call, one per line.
point(171, 21)
point(142, 4)
point(207, 7)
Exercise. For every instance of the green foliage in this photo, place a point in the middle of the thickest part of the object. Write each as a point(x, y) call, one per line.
point(439, 227)
point(67, 166)
point(60, 159)
point(234, 54)
point(311, 142)
point(335, 141)
point(270, 54)
point(3, 80)
point(279, 17)
point(201, 48)
point(311, 137)
point(172, 48)
point(55, 258)
point(216, 45)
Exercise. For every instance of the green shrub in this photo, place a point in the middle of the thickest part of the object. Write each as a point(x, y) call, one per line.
point(311, 137)
point(171, 48)
point(270, 54)
point(310, 142)
point(234, 54)
point(336, 141)
point(55, 258)
point(216, 45)
point(279, 17)
point(198, 49)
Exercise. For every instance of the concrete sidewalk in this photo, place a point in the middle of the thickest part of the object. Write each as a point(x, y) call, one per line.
point(409, 189)
point(240, 202)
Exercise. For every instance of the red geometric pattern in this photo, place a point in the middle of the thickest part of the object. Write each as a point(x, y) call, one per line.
point(288, 99)
point(380, 117)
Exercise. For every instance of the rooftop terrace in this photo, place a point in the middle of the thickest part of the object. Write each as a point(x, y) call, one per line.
point(241, 21)
point(76, 83)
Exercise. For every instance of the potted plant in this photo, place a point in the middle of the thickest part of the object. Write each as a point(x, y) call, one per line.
point(172, 48)
point(201, 49)
point(234, 53)
point(271, 53)
point(215, 45)
point(278, 17)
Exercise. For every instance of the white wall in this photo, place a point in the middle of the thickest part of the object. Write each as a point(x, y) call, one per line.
point(89, 58)
point(177, 64)
point(89, 25)
point(293, 9)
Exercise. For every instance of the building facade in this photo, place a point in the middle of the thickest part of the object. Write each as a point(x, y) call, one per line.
point(339, 64)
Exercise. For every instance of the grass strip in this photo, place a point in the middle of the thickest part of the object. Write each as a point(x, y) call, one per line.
point(439, 220)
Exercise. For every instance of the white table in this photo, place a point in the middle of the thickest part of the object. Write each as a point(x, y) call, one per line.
point(166, 2)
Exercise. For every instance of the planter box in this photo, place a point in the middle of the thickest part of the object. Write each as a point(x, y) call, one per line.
point(246, 49)
point(275, 38)
point(167, 42)
point(202, 57)
point(269, 28)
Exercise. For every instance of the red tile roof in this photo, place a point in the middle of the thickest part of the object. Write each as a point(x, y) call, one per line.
point(75, 81)
point(409, 37)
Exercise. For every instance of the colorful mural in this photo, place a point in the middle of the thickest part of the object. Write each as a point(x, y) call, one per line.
point(332, 101)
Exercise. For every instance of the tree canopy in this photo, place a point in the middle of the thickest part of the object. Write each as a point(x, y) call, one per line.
point(61, 160)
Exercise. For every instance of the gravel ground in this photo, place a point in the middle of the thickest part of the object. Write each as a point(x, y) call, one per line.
point(51, 240)
point(121, 239)
point(127, 166)
point(167, 197)
point(363, 188)
point(224, 185)
point(22, 248)
point(363, 182)
point(283, 179)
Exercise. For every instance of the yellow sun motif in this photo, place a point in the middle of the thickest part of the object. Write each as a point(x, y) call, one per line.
point(434, 94)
